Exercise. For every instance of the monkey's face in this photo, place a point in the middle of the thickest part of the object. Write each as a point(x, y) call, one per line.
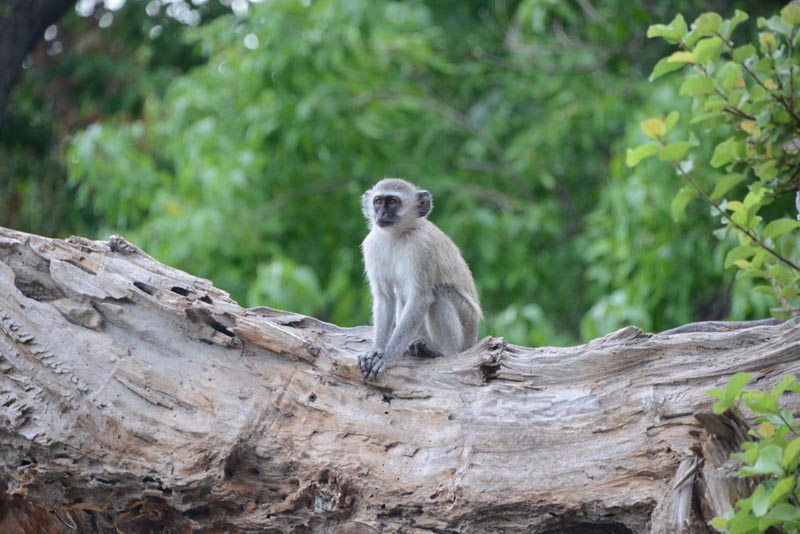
point(395, 205)
point(387, 210)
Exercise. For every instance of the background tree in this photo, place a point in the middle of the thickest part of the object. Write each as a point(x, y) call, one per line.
point(243, 160)
point(99, 61)
point(22, 24)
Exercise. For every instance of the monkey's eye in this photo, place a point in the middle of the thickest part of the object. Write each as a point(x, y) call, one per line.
point(392, 201)
point(378, 201)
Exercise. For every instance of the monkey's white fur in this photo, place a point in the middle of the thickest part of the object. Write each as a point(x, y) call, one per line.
point(422, 289)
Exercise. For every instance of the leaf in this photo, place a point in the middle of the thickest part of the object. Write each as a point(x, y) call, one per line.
point(707, 49)
point(665, 66)
point(781, 273)
point(719, 523)
point(654, 128)
point(682, 198)
point(697, 85)
point(714, 104)
point(761, 402)
point(768, 462)
point(681, 57)
point(768, 41)
point(729, 396)
point(742, 524)
point(672, 32)
point(760, 501)
point(749, 127)
point(790, 14)
point(726, 184)
point(784, 512)
point(767, 170)
point(716, 393)
point(790, 454)
point(729, 76)
point(742, 53)
point(765, 65)
point(758, 260)
point(675, 151)
point(671, 121)
point(700, 117)
point(750, 454)
point(766, 429)
point(692, 37)
point(725, 152)
point(780, 227)
point(737, 383)
point(739, 253)
point(781, 489)
point(752, 272)
point(708, 23)
point(734, 205)
point(634, 156)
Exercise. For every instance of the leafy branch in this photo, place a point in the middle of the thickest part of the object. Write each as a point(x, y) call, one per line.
point(729, 219)
point(755, 118)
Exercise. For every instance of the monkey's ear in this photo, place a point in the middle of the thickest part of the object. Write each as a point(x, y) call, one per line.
point(424, 203)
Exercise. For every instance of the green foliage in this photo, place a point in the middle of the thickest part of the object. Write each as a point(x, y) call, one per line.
point(285, 281)
point(640, 272)
point(257, 159)
point(79, 74)
point(749, 96)
point(771, 460)
point(238, 149)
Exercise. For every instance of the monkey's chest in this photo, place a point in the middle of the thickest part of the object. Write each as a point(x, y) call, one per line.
point(397, 269)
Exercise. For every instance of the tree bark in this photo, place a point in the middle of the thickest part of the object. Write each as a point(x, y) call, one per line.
point(22, 24)
point(137, 398)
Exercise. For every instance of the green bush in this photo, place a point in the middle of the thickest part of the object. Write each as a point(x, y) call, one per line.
point(748, 95)
point(771, 460)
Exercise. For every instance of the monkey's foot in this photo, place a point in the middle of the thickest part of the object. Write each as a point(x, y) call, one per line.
point(372, 363)
point(420, 349)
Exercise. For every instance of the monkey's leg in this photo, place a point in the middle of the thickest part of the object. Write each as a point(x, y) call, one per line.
point(443, 325)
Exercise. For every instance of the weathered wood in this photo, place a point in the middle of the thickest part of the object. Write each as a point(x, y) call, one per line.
point(136, 398)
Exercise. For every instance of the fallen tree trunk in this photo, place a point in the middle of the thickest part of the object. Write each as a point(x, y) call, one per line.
point(137, 398)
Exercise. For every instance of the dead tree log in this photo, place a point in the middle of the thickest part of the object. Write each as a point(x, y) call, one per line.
point(137, 398)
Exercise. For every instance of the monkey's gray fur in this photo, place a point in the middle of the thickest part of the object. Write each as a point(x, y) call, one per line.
point(424, 299)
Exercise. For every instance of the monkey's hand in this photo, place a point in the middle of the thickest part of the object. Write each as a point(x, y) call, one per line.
point(372, 363)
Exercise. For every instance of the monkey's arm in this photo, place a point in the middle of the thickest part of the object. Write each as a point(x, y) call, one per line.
point(408, 324)
point(382, 317)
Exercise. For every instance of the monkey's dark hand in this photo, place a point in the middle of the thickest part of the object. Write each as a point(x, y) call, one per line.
point(372, 363)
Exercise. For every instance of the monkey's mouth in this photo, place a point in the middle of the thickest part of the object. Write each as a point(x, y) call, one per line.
point(383, 223)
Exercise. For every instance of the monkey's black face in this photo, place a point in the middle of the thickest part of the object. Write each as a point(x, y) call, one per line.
point(387, 209)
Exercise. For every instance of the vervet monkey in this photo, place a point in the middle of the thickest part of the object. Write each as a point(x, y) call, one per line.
point(424, 299)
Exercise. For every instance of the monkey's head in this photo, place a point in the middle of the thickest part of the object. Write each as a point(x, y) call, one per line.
point(394, 204)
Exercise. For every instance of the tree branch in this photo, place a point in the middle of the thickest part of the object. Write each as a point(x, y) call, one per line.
point(138, 398)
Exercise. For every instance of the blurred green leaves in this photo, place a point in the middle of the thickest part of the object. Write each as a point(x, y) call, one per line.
point(243, 162)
